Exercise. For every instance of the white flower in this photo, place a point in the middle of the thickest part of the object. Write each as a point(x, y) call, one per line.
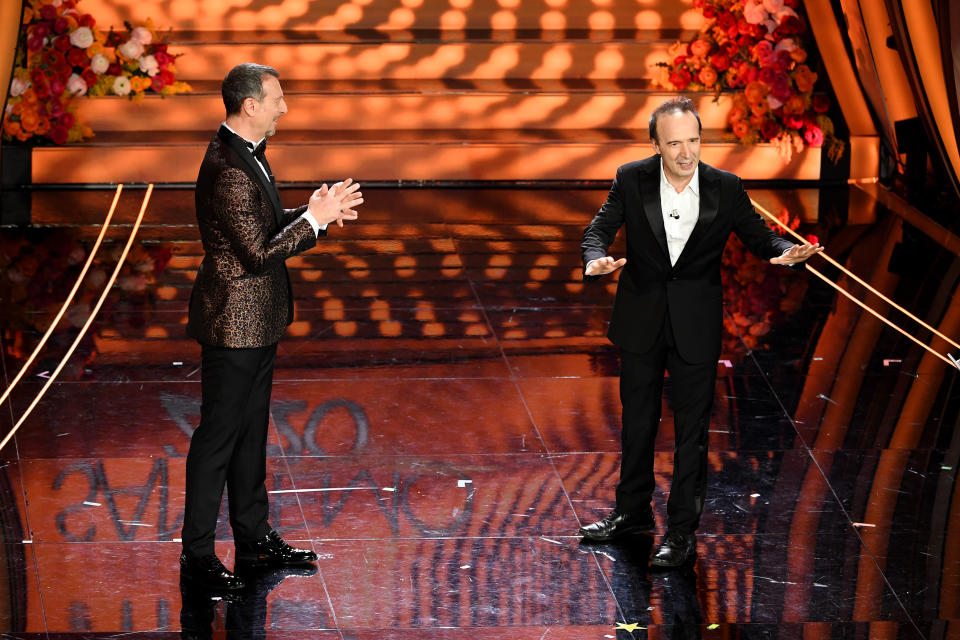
point(99, 64)
point(18, 86)
point(754, 13)
point(149, 65)
point(76, 85)
point(787, 44)
point(131, 49)
point(773, 102)
point(773, 5)
point(143, 35)
point(784, 12)
point(81, 37)
point(121, 86)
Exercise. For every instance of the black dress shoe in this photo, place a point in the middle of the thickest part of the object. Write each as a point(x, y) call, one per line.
point(675, 550)
point(270, 551)
point(618, 524)
point(209, 573)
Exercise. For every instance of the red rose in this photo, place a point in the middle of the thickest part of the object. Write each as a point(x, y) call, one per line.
point(159, 47)
point(67, 119)
point(781, 86)
point(55, 108)
point(709, 12)
point(57, 87)
point(720, 61)
point(114, 69)
point(157, 84)
point(680, 79)
point(767, 76)
point(34, 43)
point(769, 130)
point(167, 76)
point(41, 30)
point(726, 20)
point(49, 12)
point(677, 62)
point(52, 58)
point(698, 3)
point(42, 90)
point(743, 27)
point(60, 25)
point(77, 57)
point(87, 20)
point(744, 41)
point(62, 44)
point(793, 122)
point(59, 133)
point(89, 77)
point(811, 238)
point(820, 103)
point(163, 59)
point(813, 135)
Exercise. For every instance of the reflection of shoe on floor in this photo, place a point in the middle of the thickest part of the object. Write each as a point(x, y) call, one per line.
point(208, 572)
point(270, 551)
point(261, 581)
point(618, 524)
point(676, 550)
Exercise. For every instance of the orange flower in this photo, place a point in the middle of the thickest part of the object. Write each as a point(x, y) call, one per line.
point(756, 91)
point(94, 49)
point(12, 128)
point(17, 108)
point(794, 105)
point(741, 128)
point(759, 108)
point(29, 120)
point(799, 55)
point(708, 76)
point(737, 114)
point(804, 78)
point(43, 127)
point(30, 96)
point(700, 48)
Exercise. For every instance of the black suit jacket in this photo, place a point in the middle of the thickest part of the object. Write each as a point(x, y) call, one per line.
point(241, 297)
point(688, 293)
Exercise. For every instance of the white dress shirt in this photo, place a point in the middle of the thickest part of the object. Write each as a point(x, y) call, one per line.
point(317, 227)
point(680, 212)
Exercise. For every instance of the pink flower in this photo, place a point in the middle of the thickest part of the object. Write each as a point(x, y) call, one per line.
point(813, 135)
point(754, 13)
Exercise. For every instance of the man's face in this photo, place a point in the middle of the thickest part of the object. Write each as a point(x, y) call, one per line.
point(678, 142)
point(267, 112)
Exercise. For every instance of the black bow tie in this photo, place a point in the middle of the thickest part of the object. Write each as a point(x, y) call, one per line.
point(258, 150)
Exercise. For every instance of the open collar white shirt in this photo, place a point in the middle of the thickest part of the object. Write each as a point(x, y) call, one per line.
point(680, 212)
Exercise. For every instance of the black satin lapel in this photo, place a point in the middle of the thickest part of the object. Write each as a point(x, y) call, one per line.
point(253, 170)
point(650, 193)
point(709, 206)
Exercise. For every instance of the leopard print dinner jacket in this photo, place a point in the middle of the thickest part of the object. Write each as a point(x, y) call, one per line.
point(241, 297)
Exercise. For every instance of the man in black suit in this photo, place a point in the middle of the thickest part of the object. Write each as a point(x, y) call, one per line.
point(240, 305)
point(679, 213)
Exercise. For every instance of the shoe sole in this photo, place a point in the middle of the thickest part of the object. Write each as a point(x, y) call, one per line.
point(655, 564)
point(188, 580)
point(257, 563)
point(620, 534)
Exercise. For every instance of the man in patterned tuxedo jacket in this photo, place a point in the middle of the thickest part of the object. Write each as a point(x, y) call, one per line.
point(240, 306)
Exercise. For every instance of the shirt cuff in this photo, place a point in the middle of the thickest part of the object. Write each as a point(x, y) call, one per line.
point(317, 228)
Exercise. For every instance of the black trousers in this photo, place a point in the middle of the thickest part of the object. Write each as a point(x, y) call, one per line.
point(229, 448)
point(641, 393)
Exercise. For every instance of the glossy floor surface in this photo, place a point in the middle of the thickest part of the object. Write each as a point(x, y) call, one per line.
point(446, 414)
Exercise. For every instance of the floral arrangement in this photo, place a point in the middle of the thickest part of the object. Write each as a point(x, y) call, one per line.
point(755, 51)
point(61, 55)
point(755, 295)
point(39, 266)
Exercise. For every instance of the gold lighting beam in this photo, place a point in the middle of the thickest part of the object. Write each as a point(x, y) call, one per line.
point(73, 292)
point(90, 318)
point(948, 359)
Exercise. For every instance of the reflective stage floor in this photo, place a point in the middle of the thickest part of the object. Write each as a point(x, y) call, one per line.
point(446, 414)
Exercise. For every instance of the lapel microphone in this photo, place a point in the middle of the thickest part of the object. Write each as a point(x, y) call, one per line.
point(675, 214)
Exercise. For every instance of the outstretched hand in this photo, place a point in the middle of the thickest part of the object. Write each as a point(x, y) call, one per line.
point(336, 203)
point(797, 253)
point(603, 266)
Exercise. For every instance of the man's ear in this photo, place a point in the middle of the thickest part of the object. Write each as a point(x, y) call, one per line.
point(250, 106)
point(656, 147)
